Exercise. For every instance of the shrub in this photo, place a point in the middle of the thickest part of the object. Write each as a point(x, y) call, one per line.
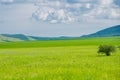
point(106, 49)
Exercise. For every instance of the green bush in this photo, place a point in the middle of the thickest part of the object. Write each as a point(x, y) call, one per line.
point(106, 49)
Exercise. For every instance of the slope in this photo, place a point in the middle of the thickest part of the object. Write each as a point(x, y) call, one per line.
point(112, 31)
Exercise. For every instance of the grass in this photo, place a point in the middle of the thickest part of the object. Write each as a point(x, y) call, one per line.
point(58, 43)
point(59, 62)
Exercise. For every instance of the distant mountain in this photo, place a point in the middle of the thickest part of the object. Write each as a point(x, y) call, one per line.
point(13, 37)
point(8, 39)
point(112, 31)
point(18, 36)
point(108, 32)
point(21, 37)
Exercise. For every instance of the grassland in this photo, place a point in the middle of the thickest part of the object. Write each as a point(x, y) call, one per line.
point(62, 43)
point(59, 60)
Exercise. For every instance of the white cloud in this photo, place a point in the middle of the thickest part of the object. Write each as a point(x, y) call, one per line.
point(106, 2)
point(106, 10)
point(67, 11)
point(9, 1)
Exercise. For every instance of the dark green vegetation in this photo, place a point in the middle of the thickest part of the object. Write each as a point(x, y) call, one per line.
point(59, 60)
point(58, 43)
point(106, 49)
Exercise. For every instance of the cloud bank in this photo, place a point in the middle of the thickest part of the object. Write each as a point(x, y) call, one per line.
point(67, 11)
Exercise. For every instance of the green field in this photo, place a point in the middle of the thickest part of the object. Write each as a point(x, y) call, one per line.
point(59, 60)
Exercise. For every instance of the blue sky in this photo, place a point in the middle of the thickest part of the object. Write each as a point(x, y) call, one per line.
point(58, 17)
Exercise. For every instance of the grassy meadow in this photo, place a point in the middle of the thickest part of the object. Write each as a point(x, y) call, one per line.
point(59, 60)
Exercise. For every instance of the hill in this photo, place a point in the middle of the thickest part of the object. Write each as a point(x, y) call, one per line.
point(112, 31)
point(21, 37)
point(14, 37)
point(60, 43)
point(109, 32)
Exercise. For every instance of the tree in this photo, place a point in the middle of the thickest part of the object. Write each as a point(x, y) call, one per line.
point(106, 49)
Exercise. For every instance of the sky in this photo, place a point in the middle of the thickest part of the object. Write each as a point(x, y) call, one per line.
point(67, 11)
point(48, 18)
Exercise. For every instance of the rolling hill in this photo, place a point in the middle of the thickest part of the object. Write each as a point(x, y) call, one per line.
point(14, 37)
point(108, 32)
point(21, 37)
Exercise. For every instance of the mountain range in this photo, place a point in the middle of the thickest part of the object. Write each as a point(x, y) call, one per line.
point(108, 32)
point(22, 37)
